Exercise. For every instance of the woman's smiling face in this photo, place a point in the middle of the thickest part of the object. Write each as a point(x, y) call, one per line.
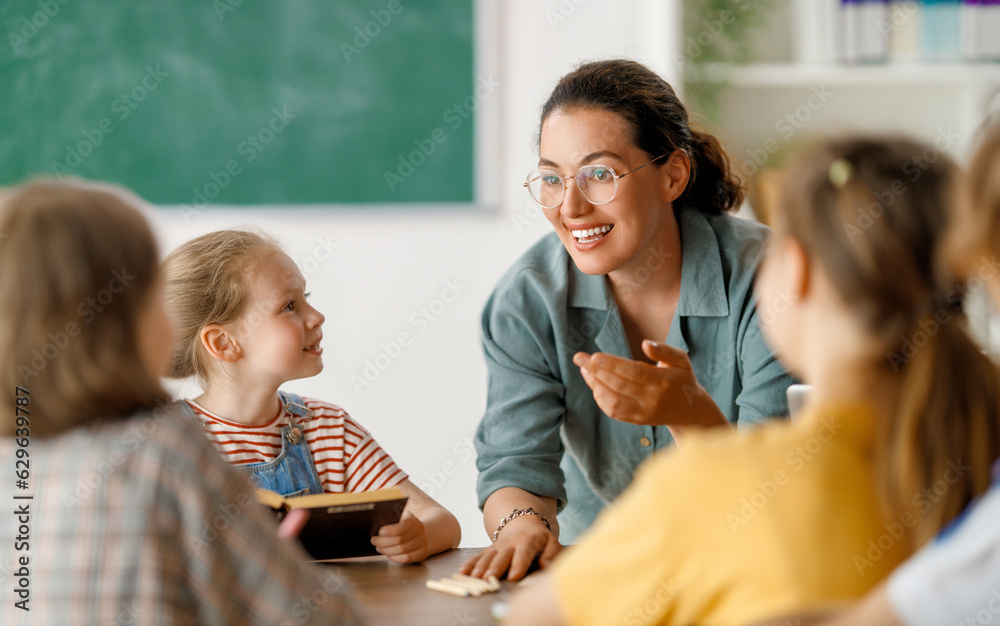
point(603, 238)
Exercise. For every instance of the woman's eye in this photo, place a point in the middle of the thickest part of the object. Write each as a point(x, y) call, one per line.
point(602, 174)
point(551, 181)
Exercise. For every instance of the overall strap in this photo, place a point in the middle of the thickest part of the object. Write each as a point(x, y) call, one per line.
point(186, 408)
point(294, 404)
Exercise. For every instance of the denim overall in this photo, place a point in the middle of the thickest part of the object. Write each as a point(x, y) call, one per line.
point(292, 472)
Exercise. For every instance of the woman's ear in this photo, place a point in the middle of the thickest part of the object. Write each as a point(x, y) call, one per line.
point(676, 174)
point(219, 343)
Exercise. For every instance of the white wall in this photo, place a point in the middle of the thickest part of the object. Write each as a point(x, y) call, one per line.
point(384, 269)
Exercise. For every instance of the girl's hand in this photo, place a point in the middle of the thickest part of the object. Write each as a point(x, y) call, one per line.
point(520, 541)
point(291, 526)
point(403, 542)
point(665, 394)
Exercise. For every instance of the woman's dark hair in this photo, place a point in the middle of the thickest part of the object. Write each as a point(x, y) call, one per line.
point(659, 125)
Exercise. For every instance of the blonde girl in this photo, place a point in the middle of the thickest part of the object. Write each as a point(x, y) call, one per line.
point(117, 516)
point(899, 435)
point(245, 327)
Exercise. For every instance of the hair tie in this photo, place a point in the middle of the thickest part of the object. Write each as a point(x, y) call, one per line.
point(930, 307)
point(840, 172)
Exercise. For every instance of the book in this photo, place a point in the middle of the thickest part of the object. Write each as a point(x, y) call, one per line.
point(340, 524)
point(981, 30)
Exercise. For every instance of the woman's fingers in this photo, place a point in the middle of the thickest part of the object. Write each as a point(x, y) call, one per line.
point(625, 399)
point(668, 355)
point(552, 548)
point(512, 554)
point(620, 384)
point(470, 565)
point(634, 371)
point(524, 556)
point(617, 405)
point(495, 564)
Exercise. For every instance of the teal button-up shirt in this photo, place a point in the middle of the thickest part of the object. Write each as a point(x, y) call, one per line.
point(539, 408)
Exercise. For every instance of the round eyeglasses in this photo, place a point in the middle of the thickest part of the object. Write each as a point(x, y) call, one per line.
point(598, 184)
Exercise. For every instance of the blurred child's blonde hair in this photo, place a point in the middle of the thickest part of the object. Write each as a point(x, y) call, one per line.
point(976, 235)
point(79, 264)
point(873, 214)
point(210, 281)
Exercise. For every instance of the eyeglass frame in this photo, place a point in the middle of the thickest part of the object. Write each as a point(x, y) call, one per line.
point(615, 174)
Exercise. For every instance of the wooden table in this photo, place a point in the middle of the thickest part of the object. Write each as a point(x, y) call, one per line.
point(395, 595)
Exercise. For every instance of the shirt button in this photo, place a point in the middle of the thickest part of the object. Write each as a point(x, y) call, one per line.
point(645, 442)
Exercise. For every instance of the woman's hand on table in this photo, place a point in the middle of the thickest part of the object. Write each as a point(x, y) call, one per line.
point(664, 394)
point(519, 543)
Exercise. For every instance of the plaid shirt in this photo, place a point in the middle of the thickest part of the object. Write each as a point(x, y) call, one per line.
point(140, 521)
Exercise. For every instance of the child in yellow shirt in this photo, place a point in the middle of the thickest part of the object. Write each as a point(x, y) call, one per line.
point(952, 580)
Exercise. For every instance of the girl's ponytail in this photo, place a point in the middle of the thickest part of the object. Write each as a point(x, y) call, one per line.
point(938, 447)
point(872, 213)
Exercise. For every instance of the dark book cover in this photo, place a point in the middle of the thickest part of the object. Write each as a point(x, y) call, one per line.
point(341, 525)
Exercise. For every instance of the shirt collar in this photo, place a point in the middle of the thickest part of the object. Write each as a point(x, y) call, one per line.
point(703, 289)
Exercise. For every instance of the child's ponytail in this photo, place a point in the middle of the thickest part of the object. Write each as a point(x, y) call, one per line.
point(872, 213)
point(940, 444)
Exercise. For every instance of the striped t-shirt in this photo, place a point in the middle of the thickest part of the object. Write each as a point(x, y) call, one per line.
point(347, 458)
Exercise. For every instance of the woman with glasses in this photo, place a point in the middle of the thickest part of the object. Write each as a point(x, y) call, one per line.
point(631, 323)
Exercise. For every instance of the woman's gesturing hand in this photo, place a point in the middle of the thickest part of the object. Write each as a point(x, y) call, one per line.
point(664, 394)
point(520, 542)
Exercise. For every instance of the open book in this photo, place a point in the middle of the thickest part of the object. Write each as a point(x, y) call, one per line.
point(340, 524)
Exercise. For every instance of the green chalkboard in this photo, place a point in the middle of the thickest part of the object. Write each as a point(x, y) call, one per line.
point(243, 101)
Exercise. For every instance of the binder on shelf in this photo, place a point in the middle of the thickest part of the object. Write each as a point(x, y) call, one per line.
point(864, 36)
point(815, 24)
point(941, 30)
point(981, 30)
point(904, 31)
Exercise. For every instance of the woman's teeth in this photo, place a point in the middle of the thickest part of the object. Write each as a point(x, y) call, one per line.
point(590, 234)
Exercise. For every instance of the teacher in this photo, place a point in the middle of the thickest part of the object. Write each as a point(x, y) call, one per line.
point(578, 393)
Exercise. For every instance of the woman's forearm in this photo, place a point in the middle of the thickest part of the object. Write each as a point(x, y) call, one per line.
point(503, 501)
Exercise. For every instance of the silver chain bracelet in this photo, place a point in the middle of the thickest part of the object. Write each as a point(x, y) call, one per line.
point(518, 513)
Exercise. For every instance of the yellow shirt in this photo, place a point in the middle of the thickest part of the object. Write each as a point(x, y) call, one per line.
point(731, 528)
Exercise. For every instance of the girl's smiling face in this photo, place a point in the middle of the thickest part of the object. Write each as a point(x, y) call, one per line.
point(604, 238)
point(279, 335)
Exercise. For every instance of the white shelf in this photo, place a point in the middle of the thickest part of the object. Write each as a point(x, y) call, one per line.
point(889, 75)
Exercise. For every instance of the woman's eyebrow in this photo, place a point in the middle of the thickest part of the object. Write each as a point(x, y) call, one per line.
point(590, 157)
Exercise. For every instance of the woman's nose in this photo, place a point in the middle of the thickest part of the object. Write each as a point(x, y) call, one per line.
point(574, 202)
